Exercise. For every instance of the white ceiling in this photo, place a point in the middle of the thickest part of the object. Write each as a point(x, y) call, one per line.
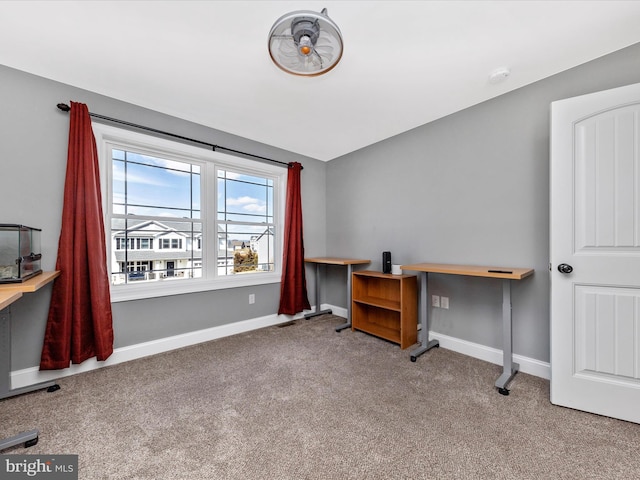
point(405, 63)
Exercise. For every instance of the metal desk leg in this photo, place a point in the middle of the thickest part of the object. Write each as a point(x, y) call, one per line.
point(29, 438)
point(348, 322)
point(510, 368)
point(424, 321)
point(317, 310)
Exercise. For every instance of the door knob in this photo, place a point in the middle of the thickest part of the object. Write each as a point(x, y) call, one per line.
point(565, 268)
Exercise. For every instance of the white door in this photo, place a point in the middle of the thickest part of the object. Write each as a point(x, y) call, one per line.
point(595, 231)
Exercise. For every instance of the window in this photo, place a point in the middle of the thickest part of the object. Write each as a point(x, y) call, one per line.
point(128, 243)
point(245, 223)
point(182, 219)
point(138, 266)
point(171, 243)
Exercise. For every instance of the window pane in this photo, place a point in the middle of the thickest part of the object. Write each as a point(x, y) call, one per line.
point(117, 154)
point(246, 224)
point(241, 252)
point(153, 251)
point(150, 186)
point(118, 185)
point(244, 198)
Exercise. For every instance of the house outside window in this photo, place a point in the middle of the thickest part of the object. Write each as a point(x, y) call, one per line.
point(182, 219)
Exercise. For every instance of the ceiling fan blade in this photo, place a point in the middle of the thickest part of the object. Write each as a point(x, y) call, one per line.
point(326, 49)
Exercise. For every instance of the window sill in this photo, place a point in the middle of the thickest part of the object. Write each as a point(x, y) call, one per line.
point(125, 293)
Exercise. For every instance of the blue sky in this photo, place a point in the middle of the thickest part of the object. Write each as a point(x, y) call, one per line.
point(163, 188)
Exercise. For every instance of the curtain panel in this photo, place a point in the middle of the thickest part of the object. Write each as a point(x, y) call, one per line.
point(79, 324)
point(293, 287)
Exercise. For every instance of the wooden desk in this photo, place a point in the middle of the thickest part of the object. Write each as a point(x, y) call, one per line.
point(507, 274)
point(9, 293)
point(7, 298)
point(349, 263)
point(31, 285)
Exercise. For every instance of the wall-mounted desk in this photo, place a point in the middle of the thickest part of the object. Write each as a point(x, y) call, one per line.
point(349, 263)
point(507, 274)
point(9, 293)
point(7, 298)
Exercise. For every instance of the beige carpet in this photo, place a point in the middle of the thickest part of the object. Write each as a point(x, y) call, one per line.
point(305, 402)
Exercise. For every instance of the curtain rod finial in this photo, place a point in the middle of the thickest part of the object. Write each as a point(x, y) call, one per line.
point(64, 107)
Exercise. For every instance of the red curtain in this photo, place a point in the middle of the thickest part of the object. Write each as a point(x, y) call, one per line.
point(79, 325)
point(293, 287)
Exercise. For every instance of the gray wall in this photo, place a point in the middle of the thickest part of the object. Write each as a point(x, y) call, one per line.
point(471, 188)
point(33, 153)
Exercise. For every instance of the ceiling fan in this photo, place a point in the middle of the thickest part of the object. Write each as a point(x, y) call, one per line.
point(305, 43)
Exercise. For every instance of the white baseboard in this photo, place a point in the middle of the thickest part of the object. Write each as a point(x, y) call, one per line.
point(528, 365)
point(339, 311)
point(31, 376)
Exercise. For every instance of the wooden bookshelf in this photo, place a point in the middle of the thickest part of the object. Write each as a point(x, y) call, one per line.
point(386, 306)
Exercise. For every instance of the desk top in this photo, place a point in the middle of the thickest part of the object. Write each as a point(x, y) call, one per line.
point(7, 298)
point(337, 261)
point(471, 270)
point(31, 285)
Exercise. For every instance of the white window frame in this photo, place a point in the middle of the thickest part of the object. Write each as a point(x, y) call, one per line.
point(108, 136)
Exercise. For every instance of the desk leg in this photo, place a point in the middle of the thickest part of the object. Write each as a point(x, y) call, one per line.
point(348, 322)
point(510, 368)
point(424, 321)
point(29, 438)
point(317, 310)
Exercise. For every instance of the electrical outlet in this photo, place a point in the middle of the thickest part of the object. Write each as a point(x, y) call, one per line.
point(444, 302)
point(252, 298)
point(435, 300)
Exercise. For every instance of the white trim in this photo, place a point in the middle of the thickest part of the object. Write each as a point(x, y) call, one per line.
point(129, 292)
point(31, 376)
point(108, 136)
point(339, 311)
point(528, 365)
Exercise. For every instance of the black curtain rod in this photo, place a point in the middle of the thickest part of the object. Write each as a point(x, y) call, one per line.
point(65, 108)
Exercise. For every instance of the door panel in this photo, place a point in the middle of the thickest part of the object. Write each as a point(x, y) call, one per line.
point(606, 180)
point(607, 332)
point(595, 227)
